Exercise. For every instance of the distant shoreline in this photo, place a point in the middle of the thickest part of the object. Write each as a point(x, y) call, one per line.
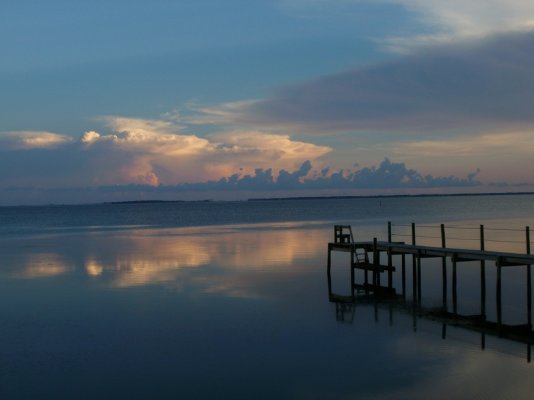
point(296, 198)
point(382, 196)
point(289, 198)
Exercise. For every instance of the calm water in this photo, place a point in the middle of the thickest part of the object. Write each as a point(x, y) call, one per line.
point(229, 300)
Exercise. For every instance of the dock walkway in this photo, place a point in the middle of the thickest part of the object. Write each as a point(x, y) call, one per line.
point(502, 259)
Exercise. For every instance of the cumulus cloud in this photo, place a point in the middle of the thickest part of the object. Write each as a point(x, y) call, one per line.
point(25, 140)
point(146, 152)
point(152, 153)
point(474, 87)
point(387, 175)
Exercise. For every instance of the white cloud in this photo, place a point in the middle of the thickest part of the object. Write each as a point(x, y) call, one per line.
point(26, 140)
point(148, 137)
point(150, 152)
point(474, 17)
point(153, 152)
point(222, 114)
point(443, 21)
point(455, 20)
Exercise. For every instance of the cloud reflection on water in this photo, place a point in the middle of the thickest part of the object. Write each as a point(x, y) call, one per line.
point(148, 257)
point(43, 265)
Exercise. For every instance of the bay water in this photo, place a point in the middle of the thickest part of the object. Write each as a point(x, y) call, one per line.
point(204, 300)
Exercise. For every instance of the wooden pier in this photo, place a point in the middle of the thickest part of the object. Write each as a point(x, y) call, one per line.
point(366, 256)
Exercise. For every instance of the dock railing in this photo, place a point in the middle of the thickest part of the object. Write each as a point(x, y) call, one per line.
point(475, 237)
point(478, 237)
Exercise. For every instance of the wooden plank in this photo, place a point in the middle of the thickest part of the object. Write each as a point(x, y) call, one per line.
point(462, 255)
point(369, 266)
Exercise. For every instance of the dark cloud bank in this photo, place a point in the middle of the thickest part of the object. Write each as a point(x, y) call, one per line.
point(483, 84)
point(388, 175)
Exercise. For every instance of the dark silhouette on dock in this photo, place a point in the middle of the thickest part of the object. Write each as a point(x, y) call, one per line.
point(365, 256)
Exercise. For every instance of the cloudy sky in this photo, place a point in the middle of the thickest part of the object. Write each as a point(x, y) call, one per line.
point(192, 99)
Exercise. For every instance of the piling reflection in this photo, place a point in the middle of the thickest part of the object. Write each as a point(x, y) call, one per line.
point(346, 312)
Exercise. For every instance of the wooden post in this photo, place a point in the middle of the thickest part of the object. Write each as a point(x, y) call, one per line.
point(444, 268)
point(403, 275)
point(328, 270)
point(414, 274)
point(390, 259)
point(366, 280)
point(499, 296)
point(454, 286)
point(529, 282)
point(352, 254)
point(419, 289)
point(482, 277)
point(376, 262)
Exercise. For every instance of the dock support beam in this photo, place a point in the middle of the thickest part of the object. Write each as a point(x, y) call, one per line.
point(390, 260)
point(376, 274)
point(482, 277)
point(529, 282)
point(444, 268)
point(414, 273)
point(352, 255)
point(403, 260)
point(419, 286)
point(499, 295)
point(329, 269)
point(454, 287)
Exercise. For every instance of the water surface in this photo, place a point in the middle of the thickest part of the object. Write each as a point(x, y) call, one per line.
point(230, 300)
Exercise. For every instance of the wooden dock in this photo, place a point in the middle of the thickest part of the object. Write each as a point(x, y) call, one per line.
point(367, 257)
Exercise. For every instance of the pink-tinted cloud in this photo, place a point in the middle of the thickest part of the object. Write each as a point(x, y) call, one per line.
point(147, 152)
point(26, 140)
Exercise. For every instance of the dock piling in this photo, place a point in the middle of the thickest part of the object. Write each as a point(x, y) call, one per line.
point(390, 259)
point(529, 281)
point(499, 294)
point(482, 276)
point(444, 268)
point(454, 286)
point(414, 273)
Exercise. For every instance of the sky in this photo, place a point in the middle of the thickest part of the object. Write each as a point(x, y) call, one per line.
point(208, 99)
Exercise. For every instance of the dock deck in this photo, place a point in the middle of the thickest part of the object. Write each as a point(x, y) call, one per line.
point(502, 259)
